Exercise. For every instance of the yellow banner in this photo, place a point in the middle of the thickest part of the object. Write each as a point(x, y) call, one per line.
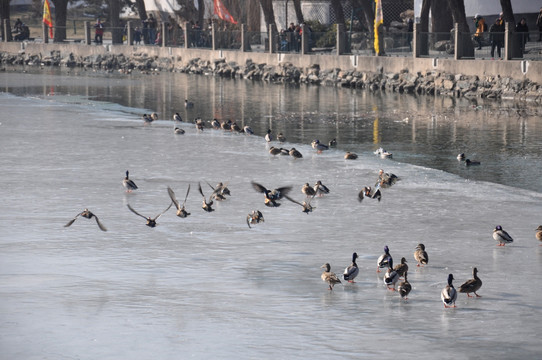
point(379, 20)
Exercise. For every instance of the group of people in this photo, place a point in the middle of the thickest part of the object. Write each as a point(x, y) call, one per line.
point(20, 31)
point(290, 38)
point(497, 30)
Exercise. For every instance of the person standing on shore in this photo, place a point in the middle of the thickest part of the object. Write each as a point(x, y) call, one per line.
point(98, 32)
point(152, 28)
point(481, 26)
point(496, 36)
point(523, 32)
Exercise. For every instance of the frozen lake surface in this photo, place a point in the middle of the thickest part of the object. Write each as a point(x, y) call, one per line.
point(207, 286)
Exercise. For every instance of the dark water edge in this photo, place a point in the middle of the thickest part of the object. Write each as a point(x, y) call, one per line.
point(421, 130)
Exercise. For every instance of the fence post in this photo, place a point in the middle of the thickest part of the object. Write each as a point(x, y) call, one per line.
point(416, 41)
point(304, 40)
point(340, 39)
point(7, 30)
point(244, 40)
point(130, 33)
point(272, 31)
point(45, 33)
point(213, 35)
point(164, 34)
point(186, 34)
point(87, 33)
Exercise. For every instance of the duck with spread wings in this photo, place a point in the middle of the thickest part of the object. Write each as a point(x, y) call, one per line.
point(151, 222)
point(271, 196)
point(89, 215)
point(181, 210)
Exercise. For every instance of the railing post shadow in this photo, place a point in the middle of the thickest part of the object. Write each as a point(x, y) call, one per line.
point(186, 34)
point(304, 40)
point(340, 39)
point(272, 31)
point(87, 33)
point(130, 33)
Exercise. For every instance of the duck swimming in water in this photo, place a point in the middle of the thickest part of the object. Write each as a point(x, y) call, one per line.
point(255, 217)
point(469, 162)
point(385, 179)
point(351, 271)
point(181, 211)
point(502, 236)
point(472, 285)
point(329, 277)
point(332, 143)
point(404, 288)
point(320, 189)
point(448, 295)
point(350, 156)
point(383, 260)
point(89, 215)
point(271, 196)
point(420, 255)
point(206, 205)
point(461, 157)
point(367, 191)
point(151, 222)
point(128, 183)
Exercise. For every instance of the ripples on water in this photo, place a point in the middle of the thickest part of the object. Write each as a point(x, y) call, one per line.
point(207, 286)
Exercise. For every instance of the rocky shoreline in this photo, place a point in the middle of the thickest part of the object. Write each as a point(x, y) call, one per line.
point(426, 83)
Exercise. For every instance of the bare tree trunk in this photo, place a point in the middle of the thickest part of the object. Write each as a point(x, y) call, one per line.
point(508, 13)
point(61, 13)
point(4, 14)
point(424, 16)
point(364, 11)
point(441, 20)
point(114, 21)
point(268, 13)
point(201, 12)
point(298, 12)
point(140, 4)
point(338, 9)
point(458, 13)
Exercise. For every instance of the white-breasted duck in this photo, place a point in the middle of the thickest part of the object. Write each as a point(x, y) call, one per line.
point(269, 136)
point(177, 117)
point(391, 276)
point(501, 236)
point(384, 259)
point(352, 270)
point(538, 234)
point(320, 188)
point(448, 295)
point(128, 183)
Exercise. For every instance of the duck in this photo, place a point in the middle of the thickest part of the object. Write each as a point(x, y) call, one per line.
point(151, 222)
point(471, 285)
point(420, 255)
point(384, 259)
point(307, 207)
point(188, 104)
point(308, 190)
point(318, 146)
point(154, 116)
point(128, 183)
point(248, 130)
point(178, 131)
point(385, 179)
point(502, 236)
point(235, 127)
point(271, 196)
point(181, 210)
point(469, 162)
point(351, 271)
point(401, 268)
point(268, 136)
point(350, 156)
point(404, 288)
point(329, 277)
point(177, 117)
point(224, 190)
point(332, 143)
point(206, 205)
point(281, 138)
point(367, 191)
point(199, 124)
point(461, 157)
point(391, 276)
point(86, 213)
point(285, 152)
point(147, 118)
point(255, 217)
point(295, 153)
point(218, 193)
point(538, 233)
point(215, 124)
point(448, 295)
point(320, 189)
point(384, 154)
point(275, 151)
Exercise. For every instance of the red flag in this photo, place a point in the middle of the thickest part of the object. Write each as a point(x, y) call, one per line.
point(47, 20)
point(223, 13)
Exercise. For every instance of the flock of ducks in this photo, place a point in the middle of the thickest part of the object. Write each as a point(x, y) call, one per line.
point(272, 198)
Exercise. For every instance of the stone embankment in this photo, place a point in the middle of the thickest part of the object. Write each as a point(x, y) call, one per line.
point(426, 83)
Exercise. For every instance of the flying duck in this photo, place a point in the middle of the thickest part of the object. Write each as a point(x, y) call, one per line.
point(420, 255)
point(391, 276)
point(271, 196)
point(471, 285)
point(294, 153)
point(128, 183)
point(151, 222)
point(329, 277)
point(501, 236)
point(384, 259)
point(255, 217)
point(206, 205)
point(89, 215)
point(404, 288)
point(350, 156)
point(307, 208)
point(351, 271)
point(181, 211)
point(448, 294)
point(218, 192)
point(320, 188)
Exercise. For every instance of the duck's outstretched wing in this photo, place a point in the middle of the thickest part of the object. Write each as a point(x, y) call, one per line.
point(249, 217)
point(294, 201)
point(361, 196)
point(100, 225)
point(163, 212)
point(173, 198)
point(73, 220)
point(135, 212)
point(201, 190)
point(186, 196)
point(283, 191)
point(259, 188)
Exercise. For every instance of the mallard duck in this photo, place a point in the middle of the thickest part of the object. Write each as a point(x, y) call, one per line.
point(206, 205)
point(350, 156)
point(271, 196)
point(538, 233)
point(307, 208)
point(420, 255)
point(128, 183)
point(332, 143)
point(215, 124)
point(268, 136)
point(223, 189)
point(351, 271)
point(200, 125)
point(383, 153)
point(448, 294)
point(383, 260)
point(177, 117)
point(89, 215)
point(294, 153)
point(285, 152)
point(385, 179)
point(472, 285)
point(404, 288)
point(274, 151)
point(181, 211)
point(248, 130)
point(469, 162)
point(461, 157)
point(308, 190)
point(226, 125)
point(151, 222)
point(147, 118)
point(235, 127)
point(255, 217)
point(281, 138)
point(329, 277)
point(318, 146)
point(401, 268)
point(501, 236)
point(367, 191)
point(154, 116)
point(391, 276)
point(320, 188)
point(178, 131)
point(218, 192)
point(188, 104)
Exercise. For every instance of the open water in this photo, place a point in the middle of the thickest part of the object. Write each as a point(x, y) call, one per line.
point(207, 286)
